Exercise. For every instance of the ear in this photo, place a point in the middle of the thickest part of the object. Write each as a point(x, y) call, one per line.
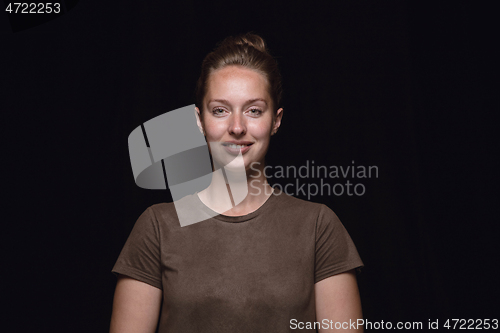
point(277, 121)
point(198, 120)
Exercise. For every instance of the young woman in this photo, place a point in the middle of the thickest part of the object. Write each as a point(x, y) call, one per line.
point(270, 263)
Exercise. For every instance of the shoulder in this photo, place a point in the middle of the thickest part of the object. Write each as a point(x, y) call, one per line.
point(303, 208)
point(153, 218)
point(162, 213)
point(162, 209)
point(167, 214)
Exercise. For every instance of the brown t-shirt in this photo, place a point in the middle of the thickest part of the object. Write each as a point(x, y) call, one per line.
point(251, 273)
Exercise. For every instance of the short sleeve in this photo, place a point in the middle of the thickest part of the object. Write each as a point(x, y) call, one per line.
point(335, 250)
point(140, 256)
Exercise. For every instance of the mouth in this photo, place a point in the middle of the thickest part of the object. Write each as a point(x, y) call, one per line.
point(236, 148)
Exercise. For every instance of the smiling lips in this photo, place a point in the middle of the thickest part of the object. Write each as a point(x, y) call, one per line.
point(234, 147)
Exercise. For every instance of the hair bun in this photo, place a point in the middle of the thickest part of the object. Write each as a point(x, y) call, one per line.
point(249, 39)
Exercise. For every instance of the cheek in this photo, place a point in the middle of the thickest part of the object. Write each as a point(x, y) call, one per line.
point(213, 130)
point(263, 137)
point(263, 131)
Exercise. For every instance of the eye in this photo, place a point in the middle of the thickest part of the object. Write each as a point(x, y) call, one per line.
point(255, 112)
point(218, 111)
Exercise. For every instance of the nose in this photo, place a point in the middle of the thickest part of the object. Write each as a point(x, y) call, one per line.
point(237, 124)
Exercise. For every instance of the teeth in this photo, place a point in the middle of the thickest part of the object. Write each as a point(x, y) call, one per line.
point(236, 146)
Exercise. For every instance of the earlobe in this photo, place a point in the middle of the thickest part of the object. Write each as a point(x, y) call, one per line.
point(277, 121)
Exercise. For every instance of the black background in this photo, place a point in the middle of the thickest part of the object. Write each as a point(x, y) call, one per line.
point(405, 86)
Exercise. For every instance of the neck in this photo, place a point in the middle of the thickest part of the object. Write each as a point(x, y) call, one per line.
point(233, 192)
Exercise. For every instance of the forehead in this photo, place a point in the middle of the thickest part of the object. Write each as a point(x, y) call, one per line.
point(237, 82)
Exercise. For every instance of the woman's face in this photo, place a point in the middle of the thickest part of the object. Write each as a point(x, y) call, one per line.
point(238, 116)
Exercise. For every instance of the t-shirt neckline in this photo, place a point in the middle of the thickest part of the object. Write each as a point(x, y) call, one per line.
point(242, 218)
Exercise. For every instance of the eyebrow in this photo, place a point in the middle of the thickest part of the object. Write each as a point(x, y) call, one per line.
point(247, 102)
